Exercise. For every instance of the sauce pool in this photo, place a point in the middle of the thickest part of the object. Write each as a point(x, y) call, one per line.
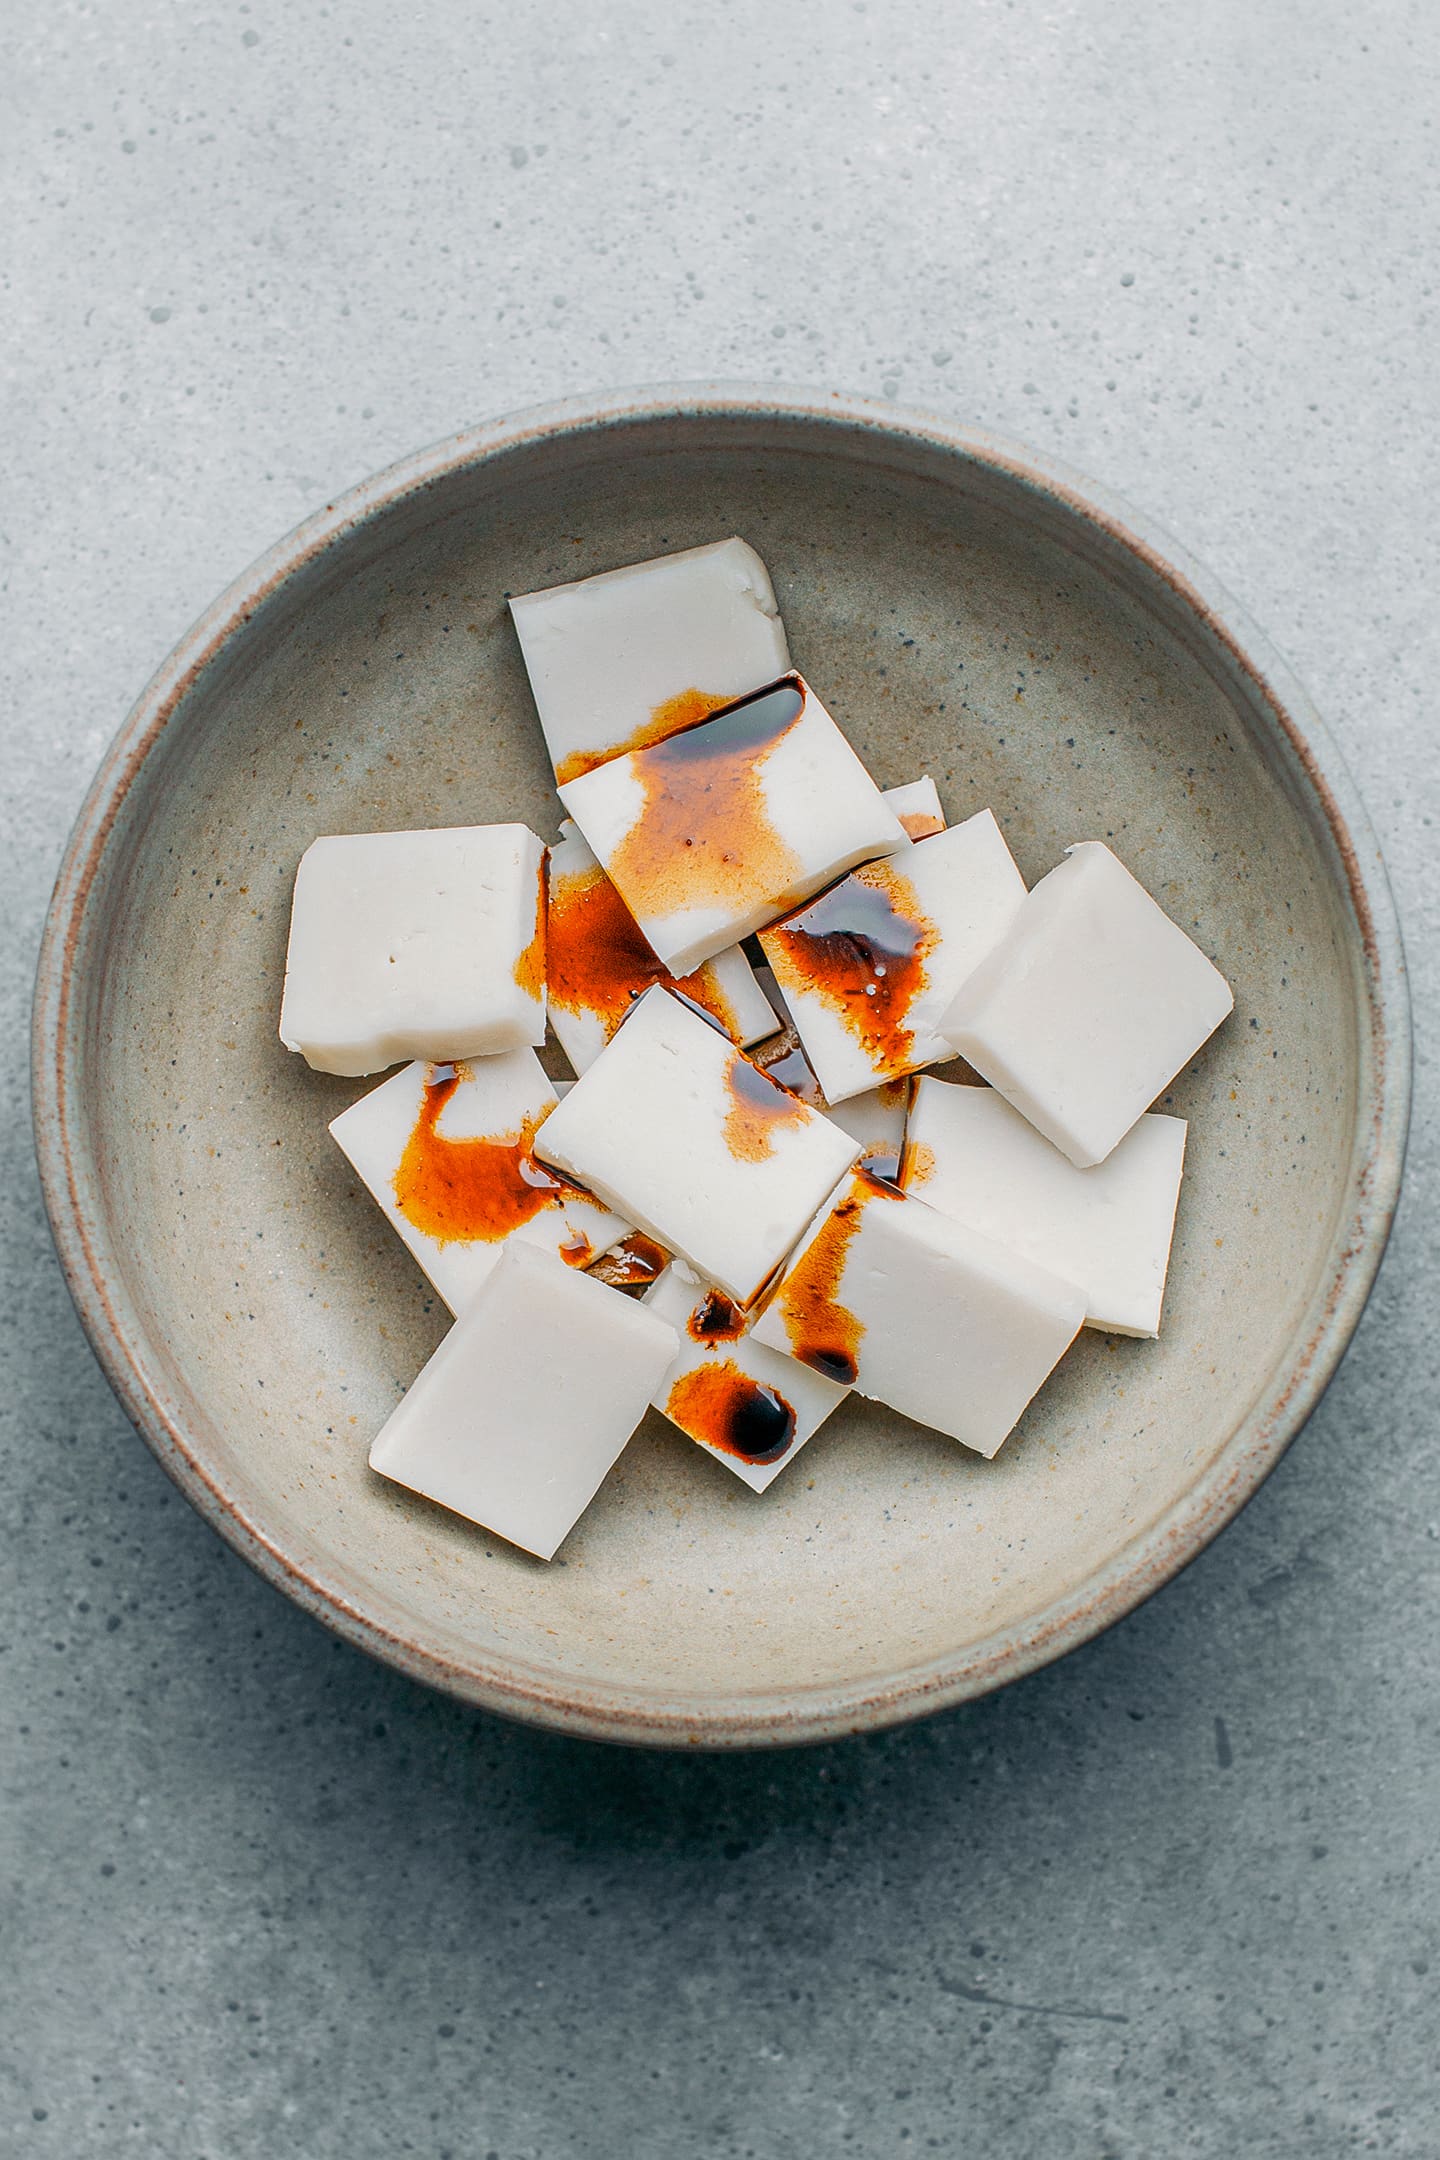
point(686, 709)
point(600, 962)
point(731, 1411)
point(784, 1060)
point(704, 836)
point(632, 1264)
point(824, 1333)
point(474, 1189)
point(715, 1319)
point(862, 948)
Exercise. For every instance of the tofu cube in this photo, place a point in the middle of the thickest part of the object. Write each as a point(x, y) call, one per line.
point(923, 1313)
point(416, 945)
point(677, 1130)
point(870, 967)
point(527, 1402)
point(917, 805)
point(625, 658)
point(598, 964)
point(877, 1119)
point(1089, 1005)
point(715, 831)
point(448, 1152)
point(1106, 1229)
point(749, 1406)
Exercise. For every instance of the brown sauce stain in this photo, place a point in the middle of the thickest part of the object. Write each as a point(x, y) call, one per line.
point(716, 1319)
point(472, 1190)
point(824, 1334)
point(758, 1109)
point(704, 837)
point(632, 1264)
point(530, 967)
point(685, 709)
point(862, 948)
point(600, 963)
point(922, 824)
point(784, 1060)
point(917, 1164)
point(577, 1252)
point(726, 1408)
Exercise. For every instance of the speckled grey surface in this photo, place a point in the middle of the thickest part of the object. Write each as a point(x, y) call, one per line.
point(1176, 1895)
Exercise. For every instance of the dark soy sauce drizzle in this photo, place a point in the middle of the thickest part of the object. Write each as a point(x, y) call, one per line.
point(861, 946)
point(759, 1107)
point(715, 1319)
point(726, 1408)
point(704, 836)
point(471, 1189)
point(600, 962)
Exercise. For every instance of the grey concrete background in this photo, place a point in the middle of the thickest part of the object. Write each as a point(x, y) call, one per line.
point(1175, 1896)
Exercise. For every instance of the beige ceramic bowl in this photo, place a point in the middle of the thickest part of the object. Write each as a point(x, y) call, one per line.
point(965, 609)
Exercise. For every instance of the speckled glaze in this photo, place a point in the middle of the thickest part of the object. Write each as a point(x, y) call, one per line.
point(964, 608)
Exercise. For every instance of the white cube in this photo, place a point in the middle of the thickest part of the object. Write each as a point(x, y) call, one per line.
point(750, 1406)
point(1088, 1007)
point(448, 1152)
point(624, 658)
point(416, 945)
point(917, 805)
point(678, 1131)
point(527, 1402)
point(598, 964)
point(870, 967)
point(923, 1313)
point(1106, 1229)
point(715, 831)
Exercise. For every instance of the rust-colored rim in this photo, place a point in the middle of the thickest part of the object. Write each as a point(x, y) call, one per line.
point(70, 1174)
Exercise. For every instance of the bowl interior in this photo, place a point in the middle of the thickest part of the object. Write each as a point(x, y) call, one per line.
point(953, 626)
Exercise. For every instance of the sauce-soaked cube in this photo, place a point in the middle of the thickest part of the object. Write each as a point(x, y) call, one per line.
point(677, 1130)
point(750, 1406)
point(718, 829)
point(598, 964)
point(625, 658)
point(919, 1311)
point(868, 968)
point(448, 1151)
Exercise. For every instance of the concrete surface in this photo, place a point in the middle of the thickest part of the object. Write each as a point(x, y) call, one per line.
point(1175, 1896)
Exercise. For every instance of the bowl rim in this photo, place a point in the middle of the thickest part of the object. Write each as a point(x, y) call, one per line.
point(70, 1180)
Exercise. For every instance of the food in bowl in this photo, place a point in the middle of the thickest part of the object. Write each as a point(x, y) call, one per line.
point(830, 1221)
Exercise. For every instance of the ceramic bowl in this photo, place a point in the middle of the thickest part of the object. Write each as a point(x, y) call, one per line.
point(966, 608)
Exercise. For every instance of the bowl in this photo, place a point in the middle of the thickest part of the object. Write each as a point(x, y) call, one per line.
point(965, 608)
